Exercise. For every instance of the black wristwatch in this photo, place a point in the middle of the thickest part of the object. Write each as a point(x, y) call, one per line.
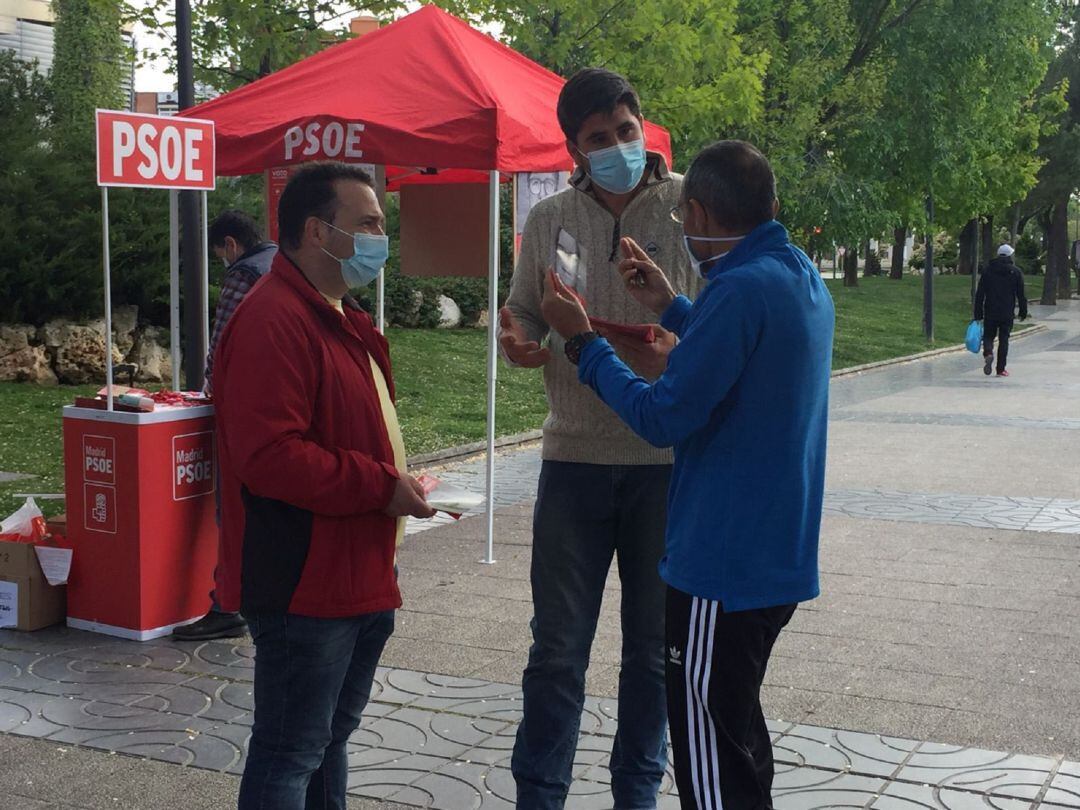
point(578, 342)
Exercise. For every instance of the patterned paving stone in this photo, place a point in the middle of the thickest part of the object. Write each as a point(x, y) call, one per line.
point(227, 660)
point(991, 512)
point(20, 713)
point(844, 751)
point(439, 741)
point(988, 772)
point(457, 695)
point(457, 785)
point(824, 790)
point(907, 796)
point(385, 780)
point(1065, 786)
point(418, 731)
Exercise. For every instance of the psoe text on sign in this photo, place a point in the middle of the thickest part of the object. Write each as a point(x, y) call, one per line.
point(154, 151)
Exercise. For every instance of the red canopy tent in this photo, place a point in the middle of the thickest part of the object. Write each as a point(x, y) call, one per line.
point(427, 92)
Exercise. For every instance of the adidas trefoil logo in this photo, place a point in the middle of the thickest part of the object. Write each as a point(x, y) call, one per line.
point(675, 655)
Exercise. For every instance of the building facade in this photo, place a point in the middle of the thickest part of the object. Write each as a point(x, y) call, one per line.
point(27, 28)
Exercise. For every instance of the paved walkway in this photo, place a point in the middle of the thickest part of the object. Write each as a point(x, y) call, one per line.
point(938, 670)
point(442, 741)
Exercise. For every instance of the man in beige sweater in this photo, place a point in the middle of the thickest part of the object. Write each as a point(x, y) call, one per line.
point(602, 490)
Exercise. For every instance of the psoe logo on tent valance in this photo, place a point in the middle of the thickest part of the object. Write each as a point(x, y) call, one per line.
point(332, 140)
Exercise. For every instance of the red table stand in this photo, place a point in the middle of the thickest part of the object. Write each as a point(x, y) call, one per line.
point(140, 506)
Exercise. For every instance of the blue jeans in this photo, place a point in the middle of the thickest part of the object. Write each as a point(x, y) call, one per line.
point(585, 515)
point(215, 606)
point(312, 681)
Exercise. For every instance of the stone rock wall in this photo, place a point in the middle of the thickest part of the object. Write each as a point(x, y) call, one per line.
point(74, 353)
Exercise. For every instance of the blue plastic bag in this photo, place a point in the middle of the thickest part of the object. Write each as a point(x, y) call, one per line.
point(973, 339)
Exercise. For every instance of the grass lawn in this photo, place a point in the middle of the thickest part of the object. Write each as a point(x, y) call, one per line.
point(882, 318)
point(30, 441)
point(440, 377)
point(441, 382)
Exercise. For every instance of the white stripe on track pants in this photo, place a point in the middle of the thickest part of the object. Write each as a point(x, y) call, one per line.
point(716, 662)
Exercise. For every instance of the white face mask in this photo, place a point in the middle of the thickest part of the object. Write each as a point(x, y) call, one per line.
point(695, 261)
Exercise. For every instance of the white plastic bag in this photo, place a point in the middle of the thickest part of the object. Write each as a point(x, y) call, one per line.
point(25, 525)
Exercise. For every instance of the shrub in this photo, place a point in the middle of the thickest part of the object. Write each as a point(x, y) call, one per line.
point(1030, 255)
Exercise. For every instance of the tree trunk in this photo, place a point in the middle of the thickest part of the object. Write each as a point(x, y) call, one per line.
point(988, 246)
point(1014, 230)
point(899, 243)
point(851, 268)
point(1057, 247)
point(969, 245)
point(871, 264)
point(1049, 291)
point(928, 272)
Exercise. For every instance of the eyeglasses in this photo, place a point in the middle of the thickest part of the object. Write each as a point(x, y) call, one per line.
point(677, 214)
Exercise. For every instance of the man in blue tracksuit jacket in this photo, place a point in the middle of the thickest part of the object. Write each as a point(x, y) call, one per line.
point(744, 402)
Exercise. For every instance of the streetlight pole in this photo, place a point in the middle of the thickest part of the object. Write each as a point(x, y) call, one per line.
point(195, 315)
point(928, 271)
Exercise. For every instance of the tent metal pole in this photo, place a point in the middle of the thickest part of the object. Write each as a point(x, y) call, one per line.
point(108, 296)
point(174, 286)
point(493, 333)
point(206, 274)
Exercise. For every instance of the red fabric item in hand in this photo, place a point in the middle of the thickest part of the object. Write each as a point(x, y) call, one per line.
point(641, 331)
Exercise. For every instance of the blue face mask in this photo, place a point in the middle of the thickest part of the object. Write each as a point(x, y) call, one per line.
point(370, 252)
point(618, 168)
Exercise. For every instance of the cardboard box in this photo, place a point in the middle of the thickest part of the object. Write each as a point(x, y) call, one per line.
point(57, 525)
point(27, 600)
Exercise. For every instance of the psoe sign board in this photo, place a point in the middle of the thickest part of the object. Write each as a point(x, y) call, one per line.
point(154, 151)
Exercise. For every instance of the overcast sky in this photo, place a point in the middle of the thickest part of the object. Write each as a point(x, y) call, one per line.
point(151, 78)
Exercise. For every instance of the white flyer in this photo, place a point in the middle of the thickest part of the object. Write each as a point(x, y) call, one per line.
point(447, 498)
point(55, 563)
point(9, 603)
point(568, 262)
point(454, 500)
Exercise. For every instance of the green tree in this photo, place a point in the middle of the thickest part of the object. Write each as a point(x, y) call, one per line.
point(88, 67)
point(50, 208)
point(796, 77)
point(959, 119)
point(694, 71)
point(87, 73)
point(1059, 147)
point(26, 208)
point(235, 42)
point(824, 86)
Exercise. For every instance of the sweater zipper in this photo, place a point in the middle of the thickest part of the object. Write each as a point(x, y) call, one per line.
point(616, 233)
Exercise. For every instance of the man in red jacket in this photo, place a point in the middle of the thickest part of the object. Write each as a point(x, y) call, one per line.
point(314, 488)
